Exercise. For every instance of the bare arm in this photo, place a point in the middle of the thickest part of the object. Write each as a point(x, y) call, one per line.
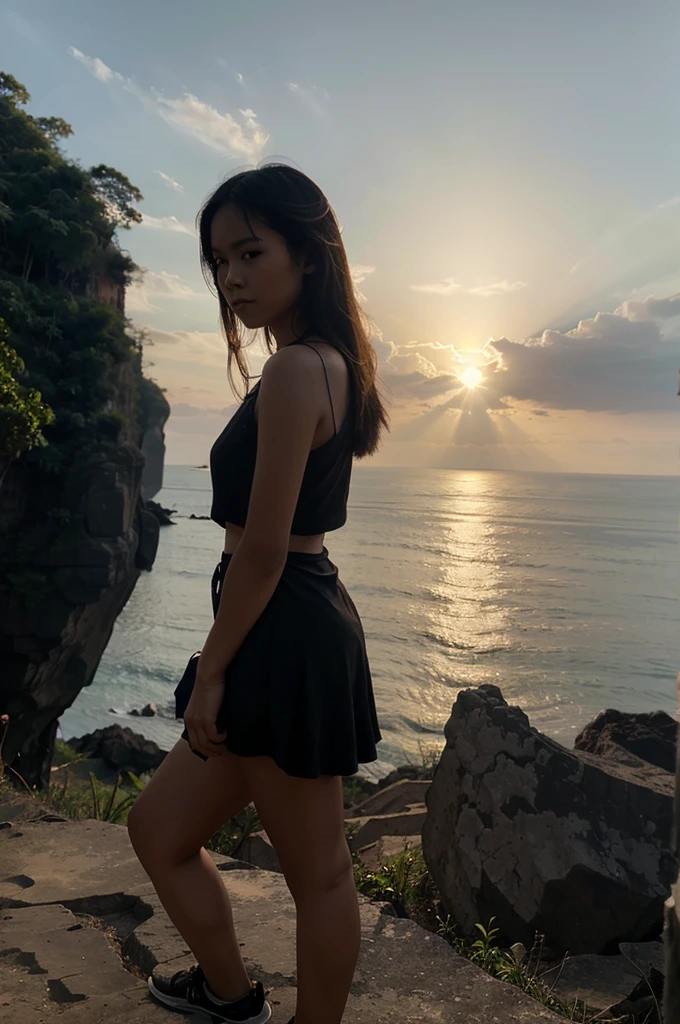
point(290, 407)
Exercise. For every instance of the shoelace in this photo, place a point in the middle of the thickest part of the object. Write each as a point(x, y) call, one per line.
point(191, 980)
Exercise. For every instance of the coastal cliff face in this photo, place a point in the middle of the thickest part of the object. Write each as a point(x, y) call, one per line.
point(153, 450)
point(76, 412)
point(72, 576)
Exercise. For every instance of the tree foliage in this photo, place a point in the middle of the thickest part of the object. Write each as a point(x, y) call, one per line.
point(22, 413)
point(57, 220)
point(117, 194)
point(14, 90)
point(71, 383)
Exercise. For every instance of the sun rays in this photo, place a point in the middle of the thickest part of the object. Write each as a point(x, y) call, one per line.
point(471, 376)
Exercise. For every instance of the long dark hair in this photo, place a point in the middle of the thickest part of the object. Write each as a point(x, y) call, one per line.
point(289, 202)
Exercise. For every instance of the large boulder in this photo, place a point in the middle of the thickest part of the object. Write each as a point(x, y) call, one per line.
point(566, 843)
point(121, 748)
point(650, 735)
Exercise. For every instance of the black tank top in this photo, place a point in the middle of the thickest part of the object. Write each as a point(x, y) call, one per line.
point(322, 502)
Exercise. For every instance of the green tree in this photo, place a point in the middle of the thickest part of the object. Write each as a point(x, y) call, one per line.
point(71, 365)
point(22, 412)
point(118, 194)
point(17, 92)
point(53, 127)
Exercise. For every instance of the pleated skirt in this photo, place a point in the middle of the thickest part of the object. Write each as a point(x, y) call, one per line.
point(299, 688)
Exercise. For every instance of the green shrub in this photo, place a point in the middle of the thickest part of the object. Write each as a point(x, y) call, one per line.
point(76, 800)
point(65, 754)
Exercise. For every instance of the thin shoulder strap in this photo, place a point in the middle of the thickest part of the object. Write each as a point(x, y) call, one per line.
point(335, 429)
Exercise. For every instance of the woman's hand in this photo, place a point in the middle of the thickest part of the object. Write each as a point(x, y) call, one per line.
point(200, 717)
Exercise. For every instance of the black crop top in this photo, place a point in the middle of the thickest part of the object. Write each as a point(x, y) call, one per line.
point(322, 502)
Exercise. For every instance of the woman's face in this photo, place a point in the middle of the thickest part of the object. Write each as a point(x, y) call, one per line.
point(258, 268)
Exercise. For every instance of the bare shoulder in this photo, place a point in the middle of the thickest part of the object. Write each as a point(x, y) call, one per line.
point(290, 360)
point(291, 367)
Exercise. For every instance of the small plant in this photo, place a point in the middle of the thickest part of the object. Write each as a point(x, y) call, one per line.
point(502, 964)
point(31, 587)
point(64, 755)
point(62, 516)
point(403, 880)
point(104, 805)
point(229, 839)
point(97, 800)
point(354, 791)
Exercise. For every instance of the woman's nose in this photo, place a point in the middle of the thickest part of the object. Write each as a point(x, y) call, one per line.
point(233, 277)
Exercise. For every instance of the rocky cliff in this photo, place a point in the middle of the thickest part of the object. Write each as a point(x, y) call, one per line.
point(71, 579)
point(75, 413)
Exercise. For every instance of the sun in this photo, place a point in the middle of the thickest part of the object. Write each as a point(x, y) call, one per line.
point(471, 377)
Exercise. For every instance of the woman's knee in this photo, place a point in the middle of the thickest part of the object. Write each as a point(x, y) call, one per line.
point(140, 829)
point(154, 838)
point(323, 873)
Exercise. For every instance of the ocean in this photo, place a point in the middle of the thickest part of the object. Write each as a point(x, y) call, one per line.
point(562, 589)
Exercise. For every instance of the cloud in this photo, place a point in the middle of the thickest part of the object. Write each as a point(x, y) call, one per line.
point(618, 362)
point(166, 224)
point(170, 182)
point(221, 132)
point(207, 348)
point(499, 288)
point(95, 66)
point(613, 362)
point(311, 95)
point(189, 114)
point(650, 309)
point(448, 286)
point(359, 273)
point(185, 409)
point(237, 74)
point(158, 285)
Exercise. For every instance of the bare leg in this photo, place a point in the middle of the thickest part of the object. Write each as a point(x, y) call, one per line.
point(328, 940)
point(185, 802)
point(304, 818)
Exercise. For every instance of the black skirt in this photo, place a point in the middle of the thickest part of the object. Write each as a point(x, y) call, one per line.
point(299, 687)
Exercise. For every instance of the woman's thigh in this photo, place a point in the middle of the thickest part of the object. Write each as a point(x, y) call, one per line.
point(185, 802)
point(305, 821)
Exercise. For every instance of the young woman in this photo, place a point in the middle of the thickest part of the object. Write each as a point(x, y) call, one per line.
point(282, 705)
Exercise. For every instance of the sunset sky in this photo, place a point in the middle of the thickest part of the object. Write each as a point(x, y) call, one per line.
point(507, 177)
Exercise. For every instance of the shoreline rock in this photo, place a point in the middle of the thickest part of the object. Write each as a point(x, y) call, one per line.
point(148, 711)
point(651, 736)
point(120, 748)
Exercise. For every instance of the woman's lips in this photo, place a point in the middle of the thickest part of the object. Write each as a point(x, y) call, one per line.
point(242, 302)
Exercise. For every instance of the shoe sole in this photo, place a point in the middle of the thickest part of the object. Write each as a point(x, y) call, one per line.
point(182, 1006)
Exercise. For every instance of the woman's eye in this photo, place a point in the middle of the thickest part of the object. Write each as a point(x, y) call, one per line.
point(221, 261)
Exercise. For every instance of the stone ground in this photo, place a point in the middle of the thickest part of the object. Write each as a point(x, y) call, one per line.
point(81, 927)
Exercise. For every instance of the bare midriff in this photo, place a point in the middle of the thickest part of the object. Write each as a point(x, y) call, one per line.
point(312, 544)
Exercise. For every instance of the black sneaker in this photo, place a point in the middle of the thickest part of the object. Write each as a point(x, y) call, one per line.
point(185, 991)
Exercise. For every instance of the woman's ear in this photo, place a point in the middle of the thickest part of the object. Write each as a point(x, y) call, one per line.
point(307, 260)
